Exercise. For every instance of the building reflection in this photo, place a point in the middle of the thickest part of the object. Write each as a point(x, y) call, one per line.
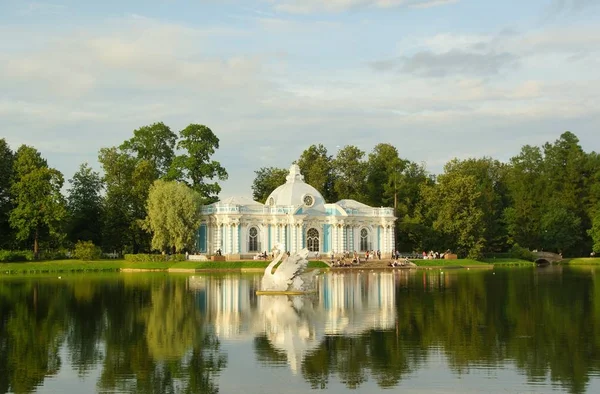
point(344, 304)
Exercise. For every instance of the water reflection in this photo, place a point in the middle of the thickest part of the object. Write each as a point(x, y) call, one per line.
point(160, 333)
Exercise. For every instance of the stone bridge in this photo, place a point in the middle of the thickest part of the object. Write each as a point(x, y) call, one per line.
point(545, 258)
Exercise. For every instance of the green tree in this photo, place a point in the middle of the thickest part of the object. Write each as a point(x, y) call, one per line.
point(594, 231)
point(525, 186)
point(384, 173)
point(316, 166)
point(154, 143)
point(127, 181)
point(84, 203)
point(6, 178)
point(350, 174)
point(173, 215)
point(195, 167)
point(267, 179)
point(560, 229)
point(458, 212)
point(39, 204)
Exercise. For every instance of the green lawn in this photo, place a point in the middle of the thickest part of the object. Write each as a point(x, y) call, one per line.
point(448, 263)
point(116, 265)
point(582, 261)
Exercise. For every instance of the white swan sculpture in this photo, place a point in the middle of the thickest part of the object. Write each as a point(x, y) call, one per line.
point(289, 275)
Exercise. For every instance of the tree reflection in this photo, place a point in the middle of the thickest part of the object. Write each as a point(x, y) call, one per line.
point(145, 334)
point(545, 322)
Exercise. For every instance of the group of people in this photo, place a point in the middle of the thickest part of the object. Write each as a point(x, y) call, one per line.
point(399, 263)
point(434, 255)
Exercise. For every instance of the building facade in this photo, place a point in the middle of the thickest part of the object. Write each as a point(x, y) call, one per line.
point(297, 216)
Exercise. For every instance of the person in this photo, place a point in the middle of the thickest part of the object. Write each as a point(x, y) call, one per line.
point(379, 254)
point(219, 252)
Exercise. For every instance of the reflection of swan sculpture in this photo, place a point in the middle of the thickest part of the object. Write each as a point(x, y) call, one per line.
point(289, 275)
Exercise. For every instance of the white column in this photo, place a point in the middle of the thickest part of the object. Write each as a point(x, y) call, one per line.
point(218, 237)
point(236, 238)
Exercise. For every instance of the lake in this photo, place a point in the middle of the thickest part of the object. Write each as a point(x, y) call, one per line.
point(507, 330)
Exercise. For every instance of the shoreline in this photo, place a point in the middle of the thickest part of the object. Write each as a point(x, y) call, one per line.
point(242, 266)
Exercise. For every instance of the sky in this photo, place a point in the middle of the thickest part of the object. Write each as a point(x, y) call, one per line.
point(438, 79)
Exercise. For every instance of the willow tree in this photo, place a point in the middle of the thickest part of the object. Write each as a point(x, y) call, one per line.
point(173, 215)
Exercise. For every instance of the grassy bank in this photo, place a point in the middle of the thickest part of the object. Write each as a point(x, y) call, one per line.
point(117, 265)
point(582, 261)
point(448, 263)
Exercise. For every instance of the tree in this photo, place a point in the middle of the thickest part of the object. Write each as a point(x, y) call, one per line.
point(195, 167)
point(155, 143)
point(7, 159)
point(350, 174)
point(526, 193)
point(384, 172)
point(173, 215)
point(84, 204)
point(458, 212)
point(594, 231)
point(127, 181)
point(39, 204)
point(316, 166)
point(267, 179)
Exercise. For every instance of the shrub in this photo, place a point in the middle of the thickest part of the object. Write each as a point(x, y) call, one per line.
point(54, 254)
point(145, 258)
point(86, 250)
point(519, 252)
point(7, 256)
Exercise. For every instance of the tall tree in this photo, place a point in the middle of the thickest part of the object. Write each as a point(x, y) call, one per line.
point(127, 181)
point(155, 143)
point(316, 166)
point(526, 190)
point(6, 178)
point(195, 167)
point(267, 179)
point(173, 215)
point(350, 174)
point(456, 202)
point(84, 204)
point(39, 204)
point(385, 169)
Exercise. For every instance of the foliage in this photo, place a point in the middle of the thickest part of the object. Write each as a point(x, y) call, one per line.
point(87, 251)
point(519, 252)
point(316, 166)
point(154, 143)
point(267, 179)
point(195, 167)
point(144, 258)
point(594, 231)
point(39, 204)
point(173, 215)
point(350, 174)
point(6, 180)
point(456, 201)
point(127, 181)
point(84, 204)
point(7, 256)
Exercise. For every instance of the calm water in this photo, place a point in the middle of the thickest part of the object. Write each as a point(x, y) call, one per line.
point(518, 330)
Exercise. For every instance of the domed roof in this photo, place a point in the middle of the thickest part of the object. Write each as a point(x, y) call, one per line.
point(296, 192)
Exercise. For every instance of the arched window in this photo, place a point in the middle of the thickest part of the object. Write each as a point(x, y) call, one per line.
point(364, 240)
point(312, 240)
point(253, 244)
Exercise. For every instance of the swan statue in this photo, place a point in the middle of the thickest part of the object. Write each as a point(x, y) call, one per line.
point(289, 275)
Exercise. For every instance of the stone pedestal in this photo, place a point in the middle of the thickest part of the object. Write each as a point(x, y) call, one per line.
point(450, 256)
point(217, 258)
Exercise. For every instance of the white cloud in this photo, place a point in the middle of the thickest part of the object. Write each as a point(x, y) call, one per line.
point(312, 6)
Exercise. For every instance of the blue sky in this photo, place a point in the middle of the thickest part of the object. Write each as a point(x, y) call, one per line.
point(437, 78)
